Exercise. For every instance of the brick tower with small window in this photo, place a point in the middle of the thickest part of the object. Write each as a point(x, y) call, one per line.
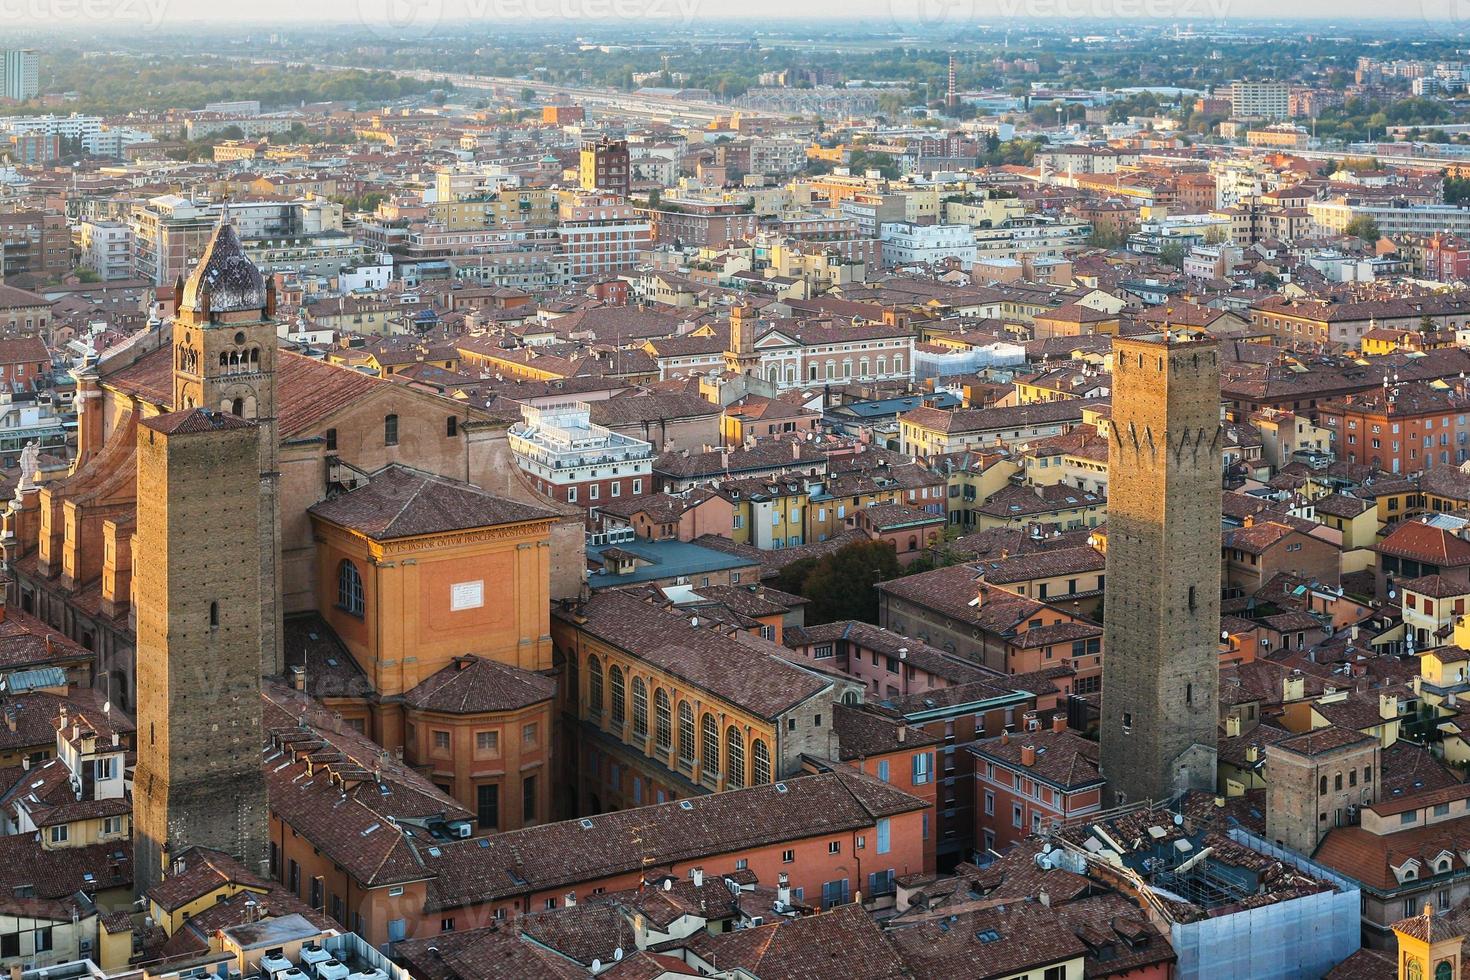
point(1162, 596)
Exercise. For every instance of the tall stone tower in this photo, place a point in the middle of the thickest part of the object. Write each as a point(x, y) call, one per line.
point(1162, 597)
point(742, 358)
point(224, 337)
point(197, 582)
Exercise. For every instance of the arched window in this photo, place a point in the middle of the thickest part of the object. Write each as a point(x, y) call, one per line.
point(615, 683)
point(663, 720)
point(237, 407)
point(349, 589)
point(710, 750)
point(640, 708)
point(255, 357)
point(1322, 785)
point(913, 542)
point(686, 734)
point(594, 685)
point(734, 757)
point(451, 426)
point(214, 615)
point(760, 763)
point(390, 430)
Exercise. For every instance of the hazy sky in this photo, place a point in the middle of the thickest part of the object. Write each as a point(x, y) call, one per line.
point(1435, 17)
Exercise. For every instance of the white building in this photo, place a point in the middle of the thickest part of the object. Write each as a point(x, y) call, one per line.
point(569, 458)
point(107, 248)
point(371, 275)
point(905, 243)
point(1260, 100)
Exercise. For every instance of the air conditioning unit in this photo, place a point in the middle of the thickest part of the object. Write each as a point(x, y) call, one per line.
point(464, 829)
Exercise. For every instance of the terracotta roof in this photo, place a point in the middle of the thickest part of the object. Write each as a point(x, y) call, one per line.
point(845, 942)
point(1327, 739)
point(400, 502)
point(194, 421)
point(571, 852)
point(1063, 759)
point(204, 872)
point(474, 685)
point(751, 675)
point(307, 389)
point(1425, 543)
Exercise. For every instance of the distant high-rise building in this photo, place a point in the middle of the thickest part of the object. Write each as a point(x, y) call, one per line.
point(605, 166)
point(22, 73)
point(1260, 100)
point(1160, 646)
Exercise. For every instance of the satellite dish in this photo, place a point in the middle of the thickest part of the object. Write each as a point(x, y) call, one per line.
point(668, 884)
point(1393, 593)
point(106, 707)
point(618, 954)
point(1179, 820)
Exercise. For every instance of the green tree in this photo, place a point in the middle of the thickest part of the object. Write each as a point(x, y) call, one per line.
point(1363, 226)
point(842, 585)
point(1172, 254)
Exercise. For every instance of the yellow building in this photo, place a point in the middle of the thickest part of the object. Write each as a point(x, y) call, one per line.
point(1430, 947)
point(439, 591)
point(1357, 521)
point(671, 707)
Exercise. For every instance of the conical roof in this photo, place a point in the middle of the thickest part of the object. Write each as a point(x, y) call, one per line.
point(234, 283)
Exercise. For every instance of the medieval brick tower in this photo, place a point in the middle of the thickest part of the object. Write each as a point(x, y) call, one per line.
point(206, 587)
point(224, 337)
point(198, 779)
point(1162, 605)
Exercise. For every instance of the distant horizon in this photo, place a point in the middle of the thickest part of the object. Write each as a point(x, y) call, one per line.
point(890, 16)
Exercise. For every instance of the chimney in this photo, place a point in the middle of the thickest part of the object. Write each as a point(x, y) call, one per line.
point(298, 677)
point(1028, 755)
point(795, 450)
point(698, 876)
point(1250, 520)
point(901, 734)
point(783, 889)
point(1388, 706)
point(1059, 722)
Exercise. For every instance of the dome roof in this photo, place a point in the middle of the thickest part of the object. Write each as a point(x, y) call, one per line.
point(233, 282)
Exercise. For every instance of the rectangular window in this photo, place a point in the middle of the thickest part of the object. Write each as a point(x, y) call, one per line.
point(528, 798)
point(834, 847)
point(883, 769)
point(112, 825)
point(60, 834)
point(883, 840)
point(529, 735)
point(923, 765)
point(441, 740)
point(487, 806)
point(487, 742)
point(788, 856)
